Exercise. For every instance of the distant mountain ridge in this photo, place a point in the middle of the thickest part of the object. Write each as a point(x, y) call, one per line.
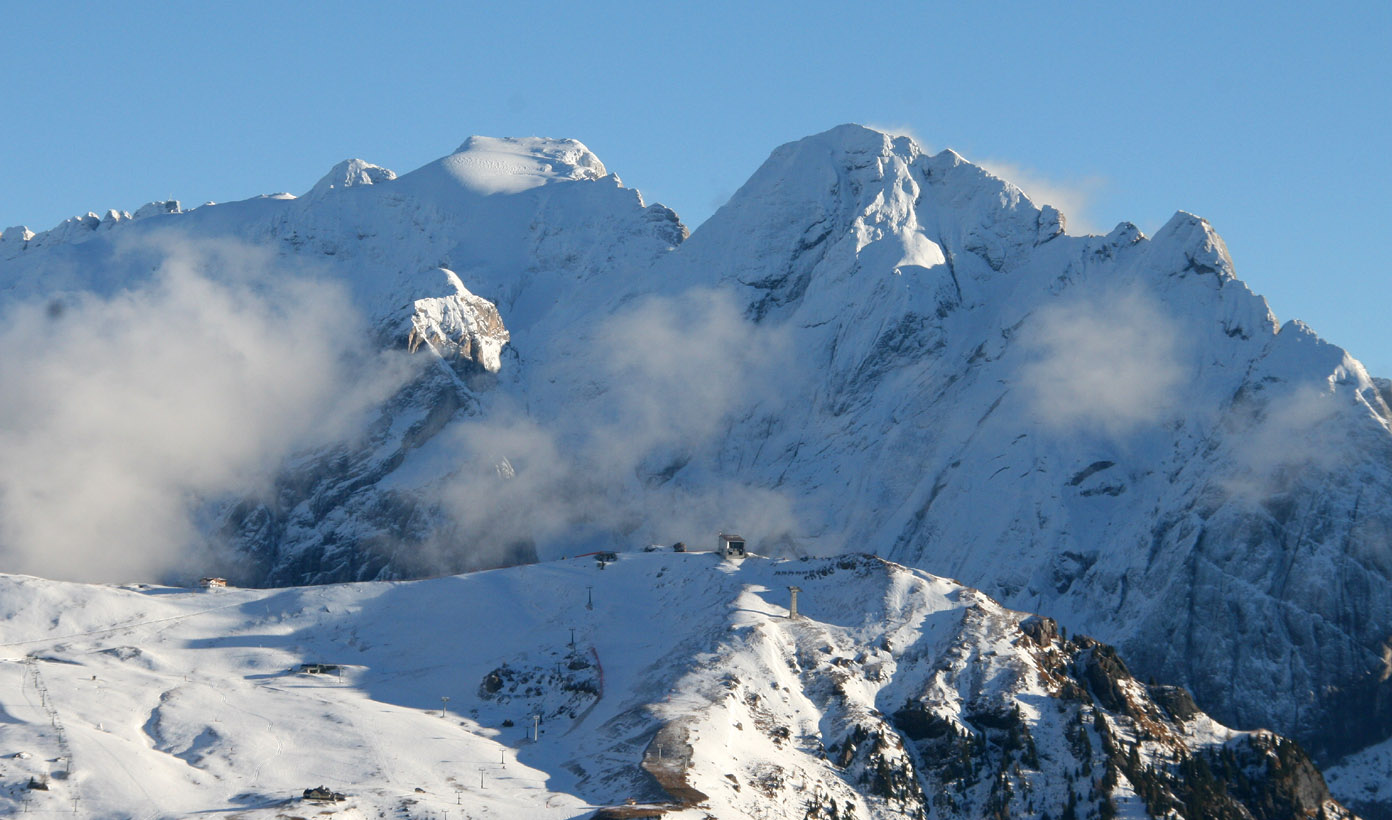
point(867, 348)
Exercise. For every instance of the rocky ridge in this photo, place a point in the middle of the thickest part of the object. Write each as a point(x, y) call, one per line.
point(893, 694)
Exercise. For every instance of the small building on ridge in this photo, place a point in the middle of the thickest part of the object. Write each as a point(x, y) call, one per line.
point(730, 546)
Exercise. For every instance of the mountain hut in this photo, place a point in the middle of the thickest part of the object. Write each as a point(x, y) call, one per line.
point(730, 546)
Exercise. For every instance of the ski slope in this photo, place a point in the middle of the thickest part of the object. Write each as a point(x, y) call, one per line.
point(676, 680)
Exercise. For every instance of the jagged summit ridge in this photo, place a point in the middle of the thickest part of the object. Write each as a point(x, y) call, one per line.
point(860, 202)
point(480, 164)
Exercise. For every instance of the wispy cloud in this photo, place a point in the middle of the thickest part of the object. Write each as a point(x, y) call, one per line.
point(663, 380)
point(1282, 436)
point(120, 414)
point(1074, 198)
point(1108, 362)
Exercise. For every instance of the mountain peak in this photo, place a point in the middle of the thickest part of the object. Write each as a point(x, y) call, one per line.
point(349, 173)
point(856, 199)
point(855, 138)
point(1195, 247)
point(491, 165)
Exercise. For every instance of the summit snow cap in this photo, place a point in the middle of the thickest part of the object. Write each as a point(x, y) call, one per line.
point(491, 165)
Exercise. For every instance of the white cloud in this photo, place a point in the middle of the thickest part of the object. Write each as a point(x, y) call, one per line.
point(1074, 198)
point(1283, 436)
point(119, 415)
point(902, 131)
point(1108, 362)
point(664, 378)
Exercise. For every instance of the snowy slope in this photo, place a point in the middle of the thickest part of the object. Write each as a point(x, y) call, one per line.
point(423, 263)
point(1113, 430)
point(685, 686)
point(1361, 780)
point(867, 348)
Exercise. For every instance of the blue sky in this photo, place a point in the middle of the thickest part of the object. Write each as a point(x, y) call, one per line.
point(1270, 121)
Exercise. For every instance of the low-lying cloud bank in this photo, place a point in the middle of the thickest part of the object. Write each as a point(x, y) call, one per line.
point(128, 420)
point(120, 415)
point(633, 454)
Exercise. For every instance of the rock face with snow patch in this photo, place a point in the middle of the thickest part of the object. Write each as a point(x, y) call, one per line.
point(460, 327)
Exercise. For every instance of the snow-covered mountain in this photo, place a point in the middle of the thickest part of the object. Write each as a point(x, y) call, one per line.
point(1111, 429)
point(506, 355)
point(565, 689)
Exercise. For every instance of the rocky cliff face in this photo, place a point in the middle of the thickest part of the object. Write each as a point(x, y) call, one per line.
point(868, 347)
point(899, 694)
